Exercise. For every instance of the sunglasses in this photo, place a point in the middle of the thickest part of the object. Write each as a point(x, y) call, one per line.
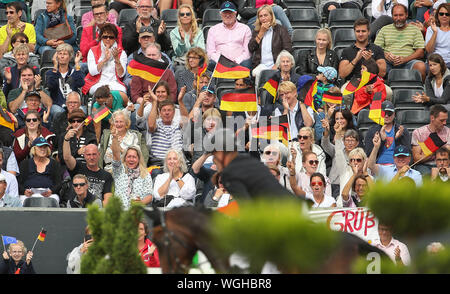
point(10, 12)
point(388, 113)
point(76, 120)
point(358, 160)
point(443, 13)
point(303, 137)
point(193, 57)
point(313, 162)
point(21, 41)
point(317, 183)
point(271, 152)
point(108, 37)
point(185, 14)
point(31, 120)
point(79, 185)
point(145, 6)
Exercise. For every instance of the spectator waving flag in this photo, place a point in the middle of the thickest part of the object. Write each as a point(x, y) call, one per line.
point(272, 85)
point(227, 69)
point(40, 237)
point(355, 84)
point(431, 144)
point(149, 69)
point(311, 96)
point(376, 113)
point(239, 100)
point(277, 128)
point(101, 113)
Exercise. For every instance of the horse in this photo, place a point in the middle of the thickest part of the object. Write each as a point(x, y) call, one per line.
point(179, 233)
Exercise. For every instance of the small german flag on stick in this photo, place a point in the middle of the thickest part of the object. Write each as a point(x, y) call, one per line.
point(335, 98)
point(239, 100)
point(431, 144)
point(227, 69)
point(40, 237)
point(101, 113)
point(148, 69)
point(271, 86)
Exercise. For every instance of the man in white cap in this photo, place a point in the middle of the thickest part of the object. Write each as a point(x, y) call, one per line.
point(7, 200)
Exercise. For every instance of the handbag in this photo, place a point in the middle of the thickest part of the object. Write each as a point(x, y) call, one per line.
point(61, 31)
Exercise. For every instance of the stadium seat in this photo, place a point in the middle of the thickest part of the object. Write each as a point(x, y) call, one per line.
point(343, 18)
point(37, 13)
point(402, 99)
point(211, 17)
point(339, 51)
point(304, 18)
point(205, 30)
point(78, 13)
point(126, 15)
point(413, 118)
point(46, 58)
point(42, 73)
point(299, 4)
point(170, 17)
point(363, 120)
point(343, 37)
point(40, 202)
point(304, 38)
point(265, 97)
point(404, 78)
point(223, 90)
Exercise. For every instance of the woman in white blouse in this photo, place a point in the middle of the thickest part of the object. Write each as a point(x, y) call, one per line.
point(106, 62)
point(175, 186)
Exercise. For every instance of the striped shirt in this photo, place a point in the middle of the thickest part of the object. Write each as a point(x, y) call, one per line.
point(166, 137)
point(400, 42)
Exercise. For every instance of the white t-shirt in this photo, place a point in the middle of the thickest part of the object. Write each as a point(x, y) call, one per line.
point(327, 201)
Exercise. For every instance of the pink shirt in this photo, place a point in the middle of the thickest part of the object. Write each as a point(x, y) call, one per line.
point(390, 249)
point(231, 43)
point(422, 133)
point(89, 16)
point(260, 3)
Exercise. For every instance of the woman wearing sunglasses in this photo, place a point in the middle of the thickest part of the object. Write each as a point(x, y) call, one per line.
point(106, 63)
point(82, 138)
point(186, 34)
point(300, 181)
point(272, 155)
point(437, 38)
point(306, 143)
point(318, 184)
point(25, 136)
point(357, 167)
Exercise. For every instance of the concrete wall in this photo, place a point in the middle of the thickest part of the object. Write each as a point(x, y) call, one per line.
point(65, 230)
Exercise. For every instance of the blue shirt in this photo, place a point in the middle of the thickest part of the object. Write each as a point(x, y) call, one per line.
point(387, 172)
point(387, 150)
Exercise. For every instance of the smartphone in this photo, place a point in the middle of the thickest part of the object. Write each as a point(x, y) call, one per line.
point(87, 237)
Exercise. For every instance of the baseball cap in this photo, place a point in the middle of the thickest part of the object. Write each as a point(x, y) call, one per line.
point(146, 31)
point(33, 93)
point(227, 5)
point(210, 89)
point(329, 72)
point(402, 150)
point(2, 178)
point(40, 141)
point(387, 106)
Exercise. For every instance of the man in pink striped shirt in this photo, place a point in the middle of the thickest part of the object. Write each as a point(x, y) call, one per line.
point(396, 250)
point(229, 38)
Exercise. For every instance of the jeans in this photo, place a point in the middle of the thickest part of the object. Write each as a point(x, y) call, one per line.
point(279, 15)
point(44, 48)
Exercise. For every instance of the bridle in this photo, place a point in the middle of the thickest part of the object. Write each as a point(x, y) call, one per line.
point(168, 235)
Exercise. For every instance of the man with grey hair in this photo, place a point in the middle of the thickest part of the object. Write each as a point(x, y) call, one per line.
point(144, 18)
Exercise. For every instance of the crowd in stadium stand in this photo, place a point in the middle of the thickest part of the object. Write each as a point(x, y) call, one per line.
point(80, 105)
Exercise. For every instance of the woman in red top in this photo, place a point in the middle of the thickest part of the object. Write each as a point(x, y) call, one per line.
point(147, 249)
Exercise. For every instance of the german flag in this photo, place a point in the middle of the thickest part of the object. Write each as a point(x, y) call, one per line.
point(355, 84)
point(272, 85)
point(335, 98)
point(431, 144)
point(42, 235)
point(375, 112)
point(201, 70)
point(239, 100)
point(309, 99)
point(227, 69)
point(277, 128)
point(101, 113)
point(6, 119)
point(149, 69)
point(88, 120)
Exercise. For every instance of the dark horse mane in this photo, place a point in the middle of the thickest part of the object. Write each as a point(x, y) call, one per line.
point(180, 232)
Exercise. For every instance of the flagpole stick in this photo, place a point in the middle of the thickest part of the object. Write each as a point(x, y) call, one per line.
point(153, 89)
point(3, 242)
point(212, 76)
point(34, 244)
